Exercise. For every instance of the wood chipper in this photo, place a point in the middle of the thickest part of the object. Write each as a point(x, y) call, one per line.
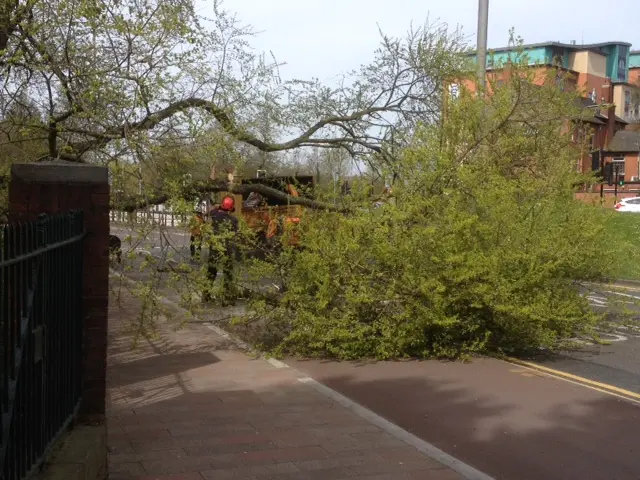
point(273, 217)
point(268, 216)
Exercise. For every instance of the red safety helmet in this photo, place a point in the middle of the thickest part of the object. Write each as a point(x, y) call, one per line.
point(228, 204)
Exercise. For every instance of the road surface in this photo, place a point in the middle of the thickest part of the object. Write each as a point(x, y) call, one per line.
point(506, 421)
point(616, 363)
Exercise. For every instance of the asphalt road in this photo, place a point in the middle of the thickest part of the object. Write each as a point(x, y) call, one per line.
point(508, 422)
point(171, 240)
point(616, 363)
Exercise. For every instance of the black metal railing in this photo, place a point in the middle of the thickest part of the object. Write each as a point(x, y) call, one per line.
point(41, 328)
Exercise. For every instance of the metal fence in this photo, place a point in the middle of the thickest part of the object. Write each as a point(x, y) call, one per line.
point(156, 216)
point(41, 325)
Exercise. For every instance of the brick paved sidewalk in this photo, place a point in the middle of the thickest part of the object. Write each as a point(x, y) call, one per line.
point(188, 405)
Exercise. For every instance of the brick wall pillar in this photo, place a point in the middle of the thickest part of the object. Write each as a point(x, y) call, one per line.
point(59, 186)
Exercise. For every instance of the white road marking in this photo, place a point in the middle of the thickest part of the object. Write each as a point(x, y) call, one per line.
point(277, 363)
point(614, 337)
point(597, 301)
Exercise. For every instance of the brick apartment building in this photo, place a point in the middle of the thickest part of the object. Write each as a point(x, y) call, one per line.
point(606, 74)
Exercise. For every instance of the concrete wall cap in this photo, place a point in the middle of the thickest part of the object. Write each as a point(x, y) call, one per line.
point(60, 171)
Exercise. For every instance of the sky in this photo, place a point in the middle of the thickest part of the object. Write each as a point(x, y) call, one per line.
point(324, 38)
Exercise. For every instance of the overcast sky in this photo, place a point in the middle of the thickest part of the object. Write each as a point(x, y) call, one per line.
point(324, 38)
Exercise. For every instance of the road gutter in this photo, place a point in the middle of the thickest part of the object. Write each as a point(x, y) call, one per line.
point(621, 393)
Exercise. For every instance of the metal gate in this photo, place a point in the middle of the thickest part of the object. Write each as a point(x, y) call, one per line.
point(41, 335)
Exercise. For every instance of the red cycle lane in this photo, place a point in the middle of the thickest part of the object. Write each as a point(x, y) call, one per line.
point(507, 421)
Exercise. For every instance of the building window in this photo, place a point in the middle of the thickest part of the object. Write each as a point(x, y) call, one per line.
point(595, 161)
point(454, 90)
point(627, 102)
point(557, 57)
point(618, 164)
point(623, 51)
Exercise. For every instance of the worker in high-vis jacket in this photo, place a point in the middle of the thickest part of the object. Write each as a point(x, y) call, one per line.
point(195, 239)
point(222, 248)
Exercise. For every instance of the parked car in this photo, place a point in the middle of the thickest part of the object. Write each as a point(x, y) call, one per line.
point(628, 205)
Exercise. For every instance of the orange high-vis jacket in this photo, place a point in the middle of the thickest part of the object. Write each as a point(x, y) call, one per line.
point(196, 229)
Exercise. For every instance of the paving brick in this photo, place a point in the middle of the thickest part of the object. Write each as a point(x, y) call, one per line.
point(181, 431)
point(197, 440)
point(178, 476)
point(148, 455)
point(121, 446)
point(227, 474)
point(282, 455)
point(131, 418)
point(337, 461)
point(297, 440)
point(443, 474)
point(189, 464)
point(326, 474)
point(391, 467)
point(145, 435)
point(125, 469)
point(254, 437)
point(230, 448)
point(254, 472)
point(343, 445)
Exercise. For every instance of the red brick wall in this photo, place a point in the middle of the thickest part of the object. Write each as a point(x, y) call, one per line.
point(586, 82)
point(52, 187)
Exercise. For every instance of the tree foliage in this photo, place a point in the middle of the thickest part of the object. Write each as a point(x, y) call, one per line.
point(479, 248)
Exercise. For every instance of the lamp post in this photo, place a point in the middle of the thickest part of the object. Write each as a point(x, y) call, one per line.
point(483, 23)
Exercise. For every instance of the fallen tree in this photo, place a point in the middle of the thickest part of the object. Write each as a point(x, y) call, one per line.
point(480, 253)
point(201, 189)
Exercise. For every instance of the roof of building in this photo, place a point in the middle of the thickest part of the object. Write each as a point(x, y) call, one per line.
point(625, 141)
point(572, 46)
point(603, 114)
point(588, 111)
point(598, 116)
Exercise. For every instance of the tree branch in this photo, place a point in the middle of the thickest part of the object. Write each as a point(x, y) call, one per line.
point(229, 126)
point(201, 188)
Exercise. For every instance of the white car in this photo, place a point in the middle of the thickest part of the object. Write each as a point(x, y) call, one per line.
point(630, 205)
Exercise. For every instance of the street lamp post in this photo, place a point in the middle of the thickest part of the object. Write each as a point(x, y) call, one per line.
point(483, 23)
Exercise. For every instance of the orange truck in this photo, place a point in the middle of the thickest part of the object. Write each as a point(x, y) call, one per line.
point(272, 217)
